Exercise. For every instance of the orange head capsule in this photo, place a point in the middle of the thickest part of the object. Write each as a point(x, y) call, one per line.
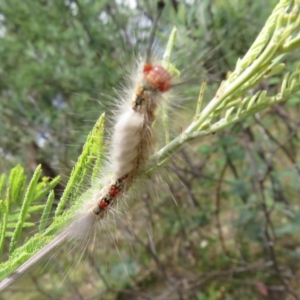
point(157, 76)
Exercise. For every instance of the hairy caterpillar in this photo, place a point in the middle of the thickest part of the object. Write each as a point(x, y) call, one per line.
point(133, 135)
point(131, 146)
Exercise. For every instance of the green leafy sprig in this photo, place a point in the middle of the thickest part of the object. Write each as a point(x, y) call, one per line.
point(233, 101)
point(16, 211)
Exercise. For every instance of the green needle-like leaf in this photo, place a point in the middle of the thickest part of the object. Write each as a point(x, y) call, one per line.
point(27, 200)
point(46, 212)
point(84, 164)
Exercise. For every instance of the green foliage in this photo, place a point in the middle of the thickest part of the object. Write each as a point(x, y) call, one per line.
point(90, 157)
point(16, 214)
point(278, 36)
point(46, 212)
point(18, 203)
point(55, 57)
point(233, 232)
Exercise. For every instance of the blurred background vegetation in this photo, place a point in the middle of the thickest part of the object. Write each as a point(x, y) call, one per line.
point(224, 220)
